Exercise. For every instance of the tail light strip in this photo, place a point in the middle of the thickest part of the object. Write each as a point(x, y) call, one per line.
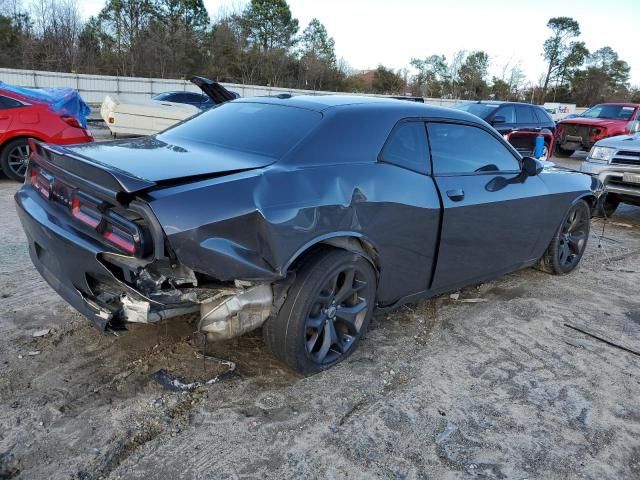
point(116, 230)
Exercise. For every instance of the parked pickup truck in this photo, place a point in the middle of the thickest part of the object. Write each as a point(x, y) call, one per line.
point(601, 121)
point(616, 162)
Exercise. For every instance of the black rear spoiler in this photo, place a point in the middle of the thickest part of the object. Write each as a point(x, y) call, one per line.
point(213, 90)
point(110, 181)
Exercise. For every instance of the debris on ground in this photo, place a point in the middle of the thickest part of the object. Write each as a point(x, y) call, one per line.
point(41, 333)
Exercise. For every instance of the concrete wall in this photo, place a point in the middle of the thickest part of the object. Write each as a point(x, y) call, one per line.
point(93, 88)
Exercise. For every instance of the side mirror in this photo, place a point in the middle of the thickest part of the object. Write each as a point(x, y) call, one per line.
point(498, 119)
point(531, 166)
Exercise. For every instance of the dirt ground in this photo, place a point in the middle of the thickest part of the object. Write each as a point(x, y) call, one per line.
point(495, 389)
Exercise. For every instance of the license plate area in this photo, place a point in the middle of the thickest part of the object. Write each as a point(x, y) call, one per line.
point(631, 177)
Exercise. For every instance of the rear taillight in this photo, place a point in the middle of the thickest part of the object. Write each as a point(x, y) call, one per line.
point(118, 231)
point(122, 237)
point(41, 182)
point(85, 212)
point(71, 121)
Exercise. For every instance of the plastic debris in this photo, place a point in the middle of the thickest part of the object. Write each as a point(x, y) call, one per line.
point(42, 333)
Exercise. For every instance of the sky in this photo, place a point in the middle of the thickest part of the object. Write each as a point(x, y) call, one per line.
point(392, 32)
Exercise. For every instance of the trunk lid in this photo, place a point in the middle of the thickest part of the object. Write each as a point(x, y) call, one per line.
point(134, 165)
point(213, 90)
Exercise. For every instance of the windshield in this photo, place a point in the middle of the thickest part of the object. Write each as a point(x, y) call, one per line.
point(611, 112)
point(264, 129)
point(481, 110)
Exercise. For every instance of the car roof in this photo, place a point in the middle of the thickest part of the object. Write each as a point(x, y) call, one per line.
point(401, 108)
point(502, 102)
point(618, 104)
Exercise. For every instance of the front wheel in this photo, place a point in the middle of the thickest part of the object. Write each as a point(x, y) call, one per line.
point(326, 312)
point(15, 158)
point(569, 242)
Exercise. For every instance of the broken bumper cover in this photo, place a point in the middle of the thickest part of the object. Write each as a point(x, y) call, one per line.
point(69, 262)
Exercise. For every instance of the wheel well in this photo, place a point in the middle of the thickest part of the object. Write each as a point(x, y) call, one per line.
point(591, 200)
point(17, 137)
point(348, 243)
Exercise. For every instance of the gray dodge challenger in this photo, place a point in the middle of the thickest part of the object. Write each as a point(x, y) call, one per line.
point(299, 215)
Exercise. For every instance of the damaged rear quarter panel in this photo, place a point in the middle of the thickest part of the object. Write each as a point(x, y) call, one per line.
point(251, 225)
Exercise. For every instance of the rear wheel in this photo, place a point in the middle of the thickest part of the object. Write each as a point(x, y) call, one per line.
point(325, 314)
point(15, 158)
point(563, 152)
point(569, 242)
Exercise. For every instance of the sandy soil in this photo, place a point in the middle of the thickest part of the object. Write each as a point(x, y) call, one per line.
point(442, 389)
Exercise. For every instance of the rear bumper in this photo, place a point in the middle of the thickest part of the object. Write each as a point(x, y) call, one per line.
point(70, 263)
point(63, 260)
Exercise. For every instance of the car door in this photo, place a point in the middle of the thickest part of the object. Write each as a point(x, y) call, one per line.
point(489, 227)
point(7, 106)
point(526, 119)
point(508, 113)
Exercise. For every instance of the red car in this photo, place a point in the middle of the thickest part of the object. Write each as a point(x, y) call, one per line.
point(22, 118)
point(601, 121)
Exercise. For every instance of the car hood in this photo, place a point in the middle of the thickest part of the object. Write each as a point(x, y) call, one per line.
point(593, 122)
point(631, 142)
point(158, 159)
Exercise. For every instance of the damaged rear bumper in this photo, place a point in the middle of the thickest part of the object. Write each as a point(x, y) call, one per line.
point(90, 279)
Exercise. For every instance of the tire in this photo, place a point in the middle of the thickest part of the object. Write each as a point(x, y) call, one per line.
point(569, 242)
point(610, 205)
point(561, 152)
point(14, 159)
point(326, 313)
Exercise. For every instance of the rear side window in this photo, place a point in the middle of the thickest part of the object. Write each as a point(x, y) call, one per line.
point(260, 128)
point(543, 116)
point(508, 112)
point(407, 147)
point(6, 102)
point(463, 149)
point(525, 115)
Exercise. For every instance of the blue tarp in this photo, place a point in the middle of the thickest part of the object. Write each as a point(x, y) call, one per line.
point(65, 101)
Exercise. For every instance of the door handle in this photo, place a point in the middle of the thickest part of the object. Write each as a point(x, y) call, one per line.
point(455, 195)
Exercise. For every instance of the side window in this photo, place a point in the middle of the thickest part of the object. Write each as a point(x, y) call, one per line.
point(466, 149)
point(508, 112)
point(407, 147)
point(193, 97)
point(542, 115)
point(525, 114)
point(6, 102)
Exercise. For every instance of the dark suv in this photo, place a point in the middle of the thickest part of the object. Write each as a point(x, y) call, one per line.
point(507, 117)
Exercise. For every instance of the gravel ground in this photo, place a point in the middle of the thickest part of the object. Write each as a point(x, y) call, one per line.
point(442, 389)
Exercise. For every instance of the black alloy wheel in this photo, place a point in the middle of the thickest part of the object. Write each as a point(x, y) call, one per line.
point(15, 159)
point(336, 316)
point(570, 241)
point(326, 312)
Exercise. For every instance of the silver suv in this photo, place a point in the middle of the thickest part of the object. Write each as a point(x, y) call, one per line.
point(616, 162)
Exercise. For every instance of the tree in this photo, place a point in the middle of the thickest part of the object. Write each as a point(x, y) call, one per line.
point(317, 43)
point(431, 79)
point(606, 77)
point(270, 25)
point(560, 52)
point(317, 58)
point(472, 74)
point(386, 81)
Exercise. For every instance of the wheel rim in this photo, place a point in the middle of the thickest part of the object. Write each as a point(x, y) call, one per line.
point(573, 238)
point(18, 159)
point(335, 319)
